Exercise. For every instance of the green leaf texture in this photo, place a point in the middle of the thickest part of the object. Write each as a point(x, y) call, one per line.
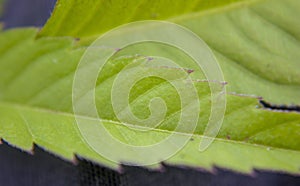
point(256, 42)
point(36, 78)
point(86, 18)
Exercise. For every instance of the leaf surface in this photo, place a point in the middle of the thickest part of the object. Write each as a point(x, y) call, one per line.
point(86, 18)
point(253, 40)
point(36, 107)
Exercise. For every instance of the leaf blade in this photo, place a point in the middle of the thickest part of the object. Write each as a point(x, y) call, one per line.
point(265, 131)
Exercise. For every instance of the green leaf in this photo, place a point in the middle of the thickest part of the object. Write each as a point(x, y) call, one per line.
point(262, 42)
point(87, 18)
point(252, 40)
point(36, 107)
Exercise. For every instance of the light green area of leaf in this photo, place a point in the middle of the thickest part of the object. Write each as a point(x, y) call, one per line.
point(256, 42)
point(258, 48)
point(87, 18)
point(56, 132)
point(36, 107)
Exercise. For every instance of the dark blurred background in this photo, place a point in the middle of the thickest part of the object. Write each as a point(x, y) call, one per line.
point(21, 13)
point(44, 169)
